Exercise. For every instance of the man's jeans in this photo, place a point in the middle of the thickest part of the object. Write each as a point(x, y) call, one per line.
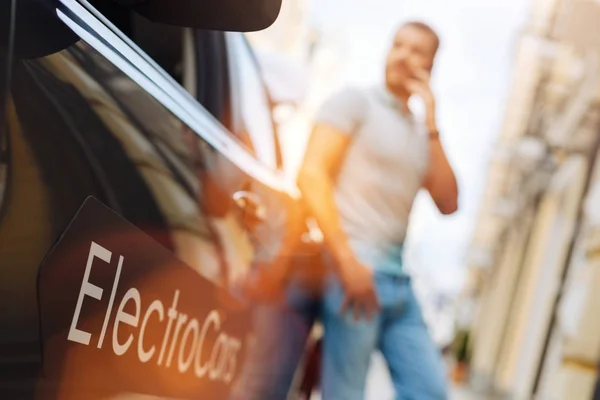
point(282, 331)
point(398, 331)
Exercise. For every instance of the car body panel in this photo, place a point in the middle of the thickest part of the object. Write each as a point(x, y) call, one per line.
point(102, 119)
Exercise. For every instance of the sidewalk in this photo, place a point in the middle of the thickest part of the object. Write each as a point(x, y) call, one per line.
point(463, 394)
point(379, 385)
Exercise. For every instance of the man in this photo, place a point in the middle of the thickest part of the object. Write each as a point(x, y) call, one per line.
point(365, 162)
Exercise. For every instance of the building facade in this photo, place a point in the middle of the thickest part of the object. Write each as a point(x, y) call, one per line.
point(531, 262)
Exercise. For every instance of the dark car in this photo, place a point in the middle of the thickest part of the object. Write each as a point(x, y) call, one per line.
point(140, 182)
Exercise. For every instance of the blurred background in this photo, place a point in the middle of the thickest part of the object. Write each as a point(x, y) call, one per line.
point(510, 284)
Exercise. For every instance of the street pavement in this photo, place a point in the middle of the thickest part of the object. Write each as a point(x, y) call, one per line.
point(379, 386)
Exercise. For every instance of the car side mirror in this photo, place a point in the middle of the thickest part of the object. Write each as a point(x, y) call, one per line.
point(220, 15)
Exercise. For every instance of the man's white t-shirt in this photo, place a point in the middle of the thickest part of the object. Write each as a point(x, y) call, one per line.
point(381, 173)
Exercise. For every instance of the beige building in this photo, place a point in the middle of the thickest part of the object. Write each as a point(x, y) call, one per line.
point(532, 260)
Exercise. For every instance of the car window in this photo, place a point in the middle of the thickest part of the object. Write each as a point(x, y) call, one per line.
point(220, 71)
point(212, 75)
point(251, 100)
point(87, 122)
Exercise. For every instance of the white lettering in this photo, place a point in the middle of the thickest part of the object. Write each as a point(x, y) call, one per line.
point(180, 321)
point(122, 316)
point(216, 362)
point(89, 289)
point(156, 306)
point(172, 314)
point(213, 318)
point(192, 328)
point(110, 302)
point(234, 347)
point(182, 334)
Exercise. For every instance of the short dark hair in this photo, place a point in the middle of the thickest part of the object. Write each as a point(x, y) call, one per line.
point(425, 28)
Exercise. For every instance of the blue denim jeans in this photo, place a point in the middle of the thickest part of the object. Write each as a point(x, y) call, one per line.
point(398, 331)
point(281, 332)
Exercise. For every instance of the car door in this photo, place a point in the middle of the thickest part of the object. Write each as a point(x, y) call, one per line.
point(209, 76)
point(99, 119)
point(252, 120)
point(205, 62)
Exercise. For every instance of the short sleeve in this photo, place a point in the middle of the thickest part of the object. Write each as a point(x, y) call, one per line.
point(345, 110)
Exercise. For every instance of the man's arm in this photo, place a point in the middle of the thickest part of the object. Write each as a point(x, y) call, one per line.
point(440, 181)
point(324, 153)
point(326, 148)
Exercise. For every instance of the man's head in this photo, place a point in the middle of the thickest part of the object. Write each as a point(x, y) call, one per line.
point(414, 47)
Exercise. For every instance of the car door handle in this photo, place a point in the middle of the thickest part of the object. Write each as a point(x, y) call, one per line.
point(251, 204)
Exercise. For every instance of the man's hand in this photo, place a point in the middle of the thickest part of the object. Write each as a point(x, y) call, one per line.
point(440, 180)
point(359, 290)
point(420, 87)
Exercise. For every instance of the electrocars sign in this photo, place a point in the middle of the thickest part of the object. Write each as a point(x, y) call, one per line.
point(120, 314)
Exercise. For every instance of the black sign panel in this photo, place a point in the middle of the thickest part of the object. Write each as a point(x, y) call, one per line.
point(120, 314)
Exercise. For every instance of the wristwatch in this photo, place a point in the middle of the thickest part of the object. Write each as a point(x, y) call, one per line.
point(434, 134)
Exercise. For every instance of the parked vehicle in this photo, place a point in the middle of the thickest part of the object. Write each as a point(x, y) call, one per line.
point(140, 175)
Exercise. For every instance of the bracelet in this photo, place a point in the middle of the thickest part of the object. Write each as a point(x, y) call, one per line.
point(434, 134)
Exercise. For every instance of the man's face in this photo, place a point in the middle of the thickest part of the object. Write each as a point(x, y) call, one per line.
point(413, 49)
